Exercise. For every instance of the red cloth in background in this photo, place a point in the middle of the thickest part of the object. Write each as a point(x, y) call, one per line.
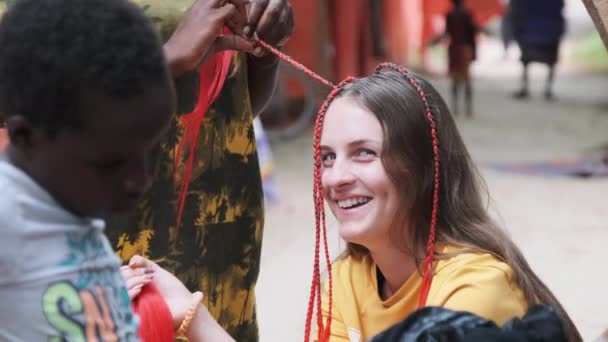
point(332, 37)
point(482, 11)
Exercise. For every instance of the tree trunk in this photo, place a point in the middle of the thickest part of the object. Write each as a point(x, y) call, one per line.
point(598, 9)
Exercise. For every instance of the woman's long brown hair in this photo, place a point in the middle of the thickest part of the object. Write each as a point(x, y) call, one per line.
point(408, 157)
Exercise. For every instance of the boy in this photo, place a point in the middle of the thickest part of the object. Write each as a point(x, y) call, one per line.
point(86, 94)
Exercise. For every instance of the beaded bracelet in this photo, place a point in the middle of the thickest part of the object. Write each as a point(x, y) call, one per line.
point(190, 314)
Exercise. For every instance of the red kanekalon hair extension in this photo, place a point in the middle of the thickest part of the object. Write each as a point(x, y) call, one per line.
point(212, 76)
point(430, 246)
point(155, 320)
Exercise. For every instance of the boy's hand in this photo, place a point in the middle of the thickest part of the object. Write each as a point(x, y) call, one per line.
point(197, 35)
point(272, 21)
point(178, 298)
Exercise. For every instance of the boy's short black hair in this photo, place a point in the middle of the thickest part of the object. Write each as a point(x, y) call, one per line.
point(51, 51)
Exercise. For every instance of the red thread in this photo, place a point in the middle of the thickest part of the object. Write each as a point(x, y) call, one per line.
point(294, 63)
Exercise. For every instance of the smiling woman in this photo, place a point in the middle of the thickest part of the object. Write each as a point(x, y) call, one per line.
point(409, 202)
point(357, 188)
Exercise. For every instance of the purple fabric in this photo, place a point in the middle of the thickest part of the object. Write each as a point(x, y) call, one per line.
point(538, 22)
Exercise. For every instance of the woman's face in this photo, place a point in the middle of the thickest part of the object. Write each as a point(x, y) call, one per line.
point(355, 183)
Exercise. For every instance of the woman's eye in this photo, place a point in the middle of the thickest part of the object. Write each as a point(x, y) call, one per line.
point(328, 158)
point(366, 153)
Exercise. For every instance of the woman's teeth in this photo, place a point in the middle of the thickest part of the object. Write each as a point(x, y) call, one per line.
point(353, 202)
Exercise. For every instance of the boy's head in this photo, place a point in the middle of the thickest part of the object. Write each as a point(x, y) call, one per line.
point(86, 94)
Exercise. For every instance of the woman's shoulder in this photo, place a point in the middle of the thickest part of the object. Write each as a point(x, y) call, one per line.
point(477, 282)
point(453, 258)
point(481, 272)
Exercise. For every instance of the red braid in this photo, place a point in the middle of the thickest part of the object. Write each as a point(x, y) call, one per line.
point(430, 246)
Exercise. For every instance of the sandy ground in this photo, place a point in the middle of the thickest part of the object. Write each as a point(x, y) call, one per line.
point(561, 224)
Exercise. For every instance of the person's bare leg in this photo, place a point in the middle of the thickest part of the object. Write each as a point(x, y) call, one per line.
point(455, 91)
point(523, 93)
point(549, 84)
point(468, 93)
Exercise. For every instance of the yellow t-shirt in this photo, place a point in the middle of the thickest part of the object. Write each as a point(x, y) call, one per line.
point(477, 283)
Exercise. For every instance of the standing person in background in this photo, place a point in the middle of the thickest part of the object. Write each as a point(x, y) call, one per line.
point(461, 29)
point(216, 248)
point(506, 30)
point(538, 27)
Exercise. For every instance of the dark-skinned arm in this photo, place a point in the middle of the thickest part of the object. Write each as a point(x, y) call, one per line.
point(273, 22)
point(263, 75)
point(196, 37)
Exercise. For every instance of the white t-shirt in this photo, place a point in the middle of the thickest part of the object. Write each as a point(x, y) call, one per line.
point(59, 278)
